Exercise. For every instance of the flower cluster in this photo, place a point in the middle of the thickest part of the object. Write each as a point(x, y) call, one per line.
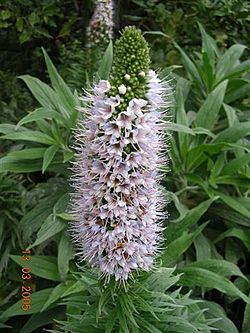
point(100, 28)
point(118, 205)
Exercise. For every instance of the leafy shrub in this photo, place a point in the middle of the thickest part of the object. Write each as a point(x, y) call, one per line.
point(169, 21)
point(205, 241)
point(209, 182)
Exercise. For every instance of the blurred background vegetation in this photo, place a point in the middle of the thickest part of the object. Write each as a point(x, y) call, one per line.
point(205, 44)
point(59, 26)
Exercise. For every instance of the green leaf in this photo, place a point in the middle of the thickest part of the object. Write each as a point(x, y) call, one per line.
point(202, 247)
point(48, 156)
point(25, 36)
point(239, 69)
point(40, 320)
point(176, 228)
point(208, 112)
point(111, 320)
point(177, 247)
point(57, 293)
point(43, 266)
point(233, 180)
point(235, 165)
point(128, 308)
point(27, 154)
point(67, 156)
point(76, 288)
point(230, 215)
point(45, 95)
point(206, 71)
point(190, 66)
point(161, 280)
point(209, 45)
point(197, 155)
point(51, 226)
point(33, 136)
point(231, 114)
point(158, 33)
point(32, 221)
point(182, 88)
point(246, 319)
point(201, 130)
point(37, 298)
point(106, 64)
point(42, 113)
point(62, 204)
point(200, 277)
point(228, 61)
point(214, 310)
point(65, 254)
point(239, 90)
point(147, 326)
point(65, 95)
point(9, 128)
point(243, 234)
point(15, 164)
point(234, 133)
point(179, 128)
point(234, 203)
point(221, 267)
point(66, 216)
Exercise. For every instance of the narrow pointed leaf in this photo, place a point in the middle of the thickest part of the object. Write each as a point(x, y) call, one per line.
point(208, 112)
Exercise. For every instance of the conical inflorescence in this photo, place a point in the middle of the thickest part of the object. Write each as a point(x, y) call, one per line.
point(118, 204)
point(100, 29)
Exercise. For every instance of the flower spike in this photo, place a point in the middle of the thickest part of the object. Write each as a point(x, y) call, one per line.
point(100, 29)
point(118, 204)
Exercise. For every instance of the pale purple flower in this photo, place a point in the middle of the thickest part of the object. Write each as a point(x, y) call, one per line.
point(118, 204)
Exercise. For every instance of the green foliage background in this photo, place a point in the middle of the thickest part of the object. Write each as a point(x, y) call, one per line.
point(203, 44)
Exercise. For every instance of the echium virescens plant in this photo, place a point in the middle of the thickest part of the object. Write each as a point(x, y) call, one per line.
point(118, 205)
point(100, 28)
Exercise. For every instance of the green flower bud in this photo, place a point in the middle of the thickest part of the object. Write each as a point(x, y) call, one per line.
point(131, 63)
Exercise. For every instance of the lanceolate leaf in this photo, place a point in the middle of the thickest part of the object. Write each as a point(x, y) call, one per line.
point(208, 112)
point(190, 66)
point(106, 64)
point(65, 254)
point(42, 113)
point(242, 234)
point(43, 266)
point(66, 97)
point(40, 320)
point(209, 45)
point(235, 165)
point(27, 154)
point(33, 136)
point(222, 267)
point(48, 156)
point(200, 277)
point(14, 164)
point(45, 95)
point(176, 248)
point(214, 310)
point(38, 299)
point(57, 293)
point(234, 133)
point(234, 203)
point(176, 228)
point(246, 319)
point(228, 61)
point(9, 128)
point(51, 226)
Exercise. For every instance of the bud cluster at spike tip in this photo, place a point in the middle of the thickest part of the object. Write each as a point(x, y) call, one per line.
point(100, 29)
point(117, 203)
